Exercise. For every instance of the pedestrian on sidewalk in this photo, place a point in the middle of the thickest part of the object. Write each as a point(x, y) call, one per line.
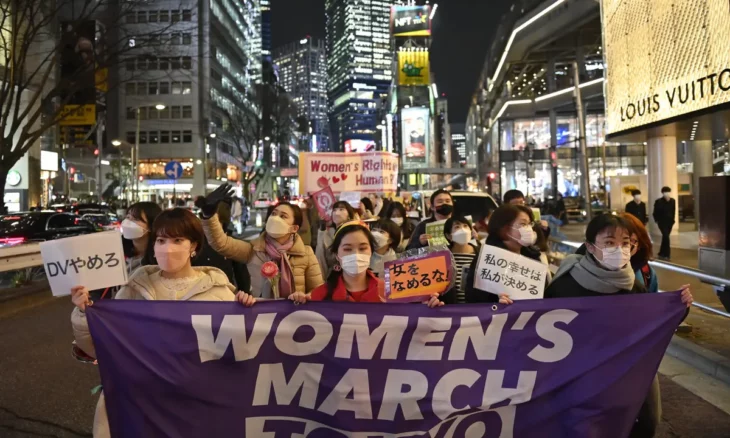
point(664, 210)
point(637, 207)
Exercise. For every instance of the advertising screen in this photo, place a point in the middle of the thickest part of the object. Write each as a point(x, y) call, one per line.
point(413, 67)
point(416, 141)
point(359, 145)
point(664, 59)
point(410, 21)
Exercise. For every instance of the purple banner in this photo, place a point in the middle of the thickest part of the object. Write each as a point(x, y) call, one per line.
point(539, 368)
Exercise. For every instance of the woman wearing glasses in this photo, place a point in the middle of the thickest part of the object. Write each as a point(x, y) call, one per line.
point(605, 269)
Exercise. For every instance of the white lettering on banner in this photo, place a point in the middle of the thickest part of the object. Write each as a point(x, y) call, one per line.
point(394, 396)
point(485, 343)
point(495, 393)
point(441, 399)
point(499, 271)
point(306, 378)
point(428, 330)
point(232, 330)
point(262, 427)
point(284, 338)
point(355, 327)
point(561, 339)
point(357, 382)
point(95, 261)
point(343, 172)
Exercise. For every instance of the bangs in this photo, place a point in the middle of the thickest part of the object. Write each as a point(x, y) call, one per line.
point(136, 212)
point(178, 223)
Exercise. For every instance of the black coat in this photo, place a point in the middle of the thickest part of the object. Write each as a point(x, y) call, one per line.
point(664, 211)
point(236, 272)
point(638, 211)
point(414, 242)
point(474, 295)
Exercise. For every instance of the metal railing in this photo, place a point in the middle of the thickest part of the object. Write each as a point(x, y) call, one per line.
point(700, 275)
point(20, 257)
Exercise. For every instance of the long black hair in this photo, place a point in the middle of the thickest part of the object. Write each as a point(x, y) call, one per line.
point(407, 227)
point(343, 231)
point(145, 212)
point(346, 205)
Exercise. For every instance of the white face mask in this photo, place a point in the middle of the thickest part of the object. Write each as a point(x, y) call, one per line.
point(637, 198)
point(461, 236)
point(615, 260)
point(397, 220)
point(132, 230)
point(528, 236)
point(354, 264)
point(276, 227)
point(381, 239)
point(339, 217)
point(667, 195)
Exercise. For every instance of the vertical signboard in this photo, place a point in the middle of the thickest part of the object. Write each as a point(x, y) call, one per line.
point(416, 137)
point(413, 67)
point(410, 21)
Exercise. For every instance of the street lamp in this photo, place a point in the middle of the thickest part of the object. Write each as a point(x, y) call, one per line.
point(158, 107)
point(212, 135)
point(116, 143)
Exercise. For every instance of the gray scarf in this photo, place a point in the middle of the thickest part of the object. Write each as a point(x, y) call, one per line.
point(592, 276)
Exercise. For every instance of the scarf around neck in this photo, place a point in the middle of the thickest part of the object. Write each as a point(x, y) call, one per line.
point(591, 275)
point(278, 253)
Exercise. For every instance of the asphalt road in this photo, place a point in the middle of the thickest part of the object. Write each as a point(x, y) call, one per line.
point(44, 392)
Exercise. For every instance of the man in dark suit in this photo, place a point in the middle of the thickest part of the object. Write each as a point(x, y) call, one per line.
point(664, 209)
point(637, 207)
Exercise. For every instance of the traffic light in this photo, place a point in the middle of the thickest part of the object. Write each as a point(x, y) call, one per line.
point(141, 178)
point(96, 152)
point(492, 176)
point(71, 170)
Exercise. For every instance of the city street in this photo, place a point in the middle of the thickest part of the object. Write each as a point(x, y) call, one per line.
point(45, 392)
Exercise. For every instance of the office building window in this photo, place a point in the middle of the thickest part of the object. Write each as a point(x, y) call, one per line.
point(131, 137)
point(164, 137)
point(141, 63)
point(131, 113)
point(187, 137)
point(175, 112)
point(164, 16)
point(187, 15)
point(187, 62)
point(175, 16)
point(175, 137)
point(141, 16)
point(142, 137)
point(187, 87)
point(141, 88)
point(143, 113)
point(153, 113)
point(130, 64)
point(187, 112)
point(164, 64)
point(130, 88)
point(175, 63)
point(152, 63)
point(164, 88)
point(153, 17)
point(153, 137)
point(177, 88)
point(175, 38)
point(165, 113)
point(187, 39)
point(152, 88)
point(131, 18)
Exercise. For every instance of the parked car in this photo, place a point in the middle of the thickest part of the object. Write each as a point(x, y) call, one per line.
point(103, 222)
point(39, 226)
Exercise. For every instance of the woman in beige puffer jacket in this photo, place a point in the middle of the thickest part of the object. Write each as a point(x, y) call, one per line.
point(281, 230)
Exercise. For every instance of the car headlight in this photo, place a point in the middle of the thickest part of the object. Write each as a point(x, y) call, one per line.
point(584, 213)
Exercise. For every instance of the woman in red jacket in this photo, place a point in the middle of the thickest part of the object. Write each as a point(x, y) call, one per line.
point(351, 279)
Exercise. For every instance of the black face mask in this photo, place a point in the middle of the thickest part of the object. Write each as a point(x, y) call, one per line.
point(445, 209)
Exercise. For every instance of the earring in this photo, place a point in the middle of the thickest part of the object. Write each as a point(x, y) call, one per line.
point(337, 267)
point(192, 254)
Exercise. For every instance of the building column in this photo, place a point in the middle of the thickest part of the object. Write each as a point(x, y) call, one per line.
point(553, 130)
point(702, 166)
point(661, 157)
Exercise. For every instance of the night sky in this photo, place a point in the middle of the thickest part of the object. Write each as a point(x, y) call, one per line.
point(462, 32)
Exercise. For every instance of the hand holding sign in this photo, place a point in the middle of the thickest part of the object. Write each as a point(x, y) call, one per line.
point(324, 200)
point(419, 278)
point(503, 272)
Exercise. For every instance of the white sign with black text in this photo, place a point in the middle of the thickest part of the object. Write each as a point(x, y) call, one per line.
point(92, 260)
point(500, 271)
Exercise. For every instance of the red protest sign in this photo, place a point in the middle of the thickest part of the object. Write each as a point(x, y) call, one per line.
point(417, 277)
point(324, 200)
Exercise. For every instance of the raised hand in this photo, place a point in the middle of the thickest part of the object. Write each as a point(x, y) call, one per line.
point(223, 192)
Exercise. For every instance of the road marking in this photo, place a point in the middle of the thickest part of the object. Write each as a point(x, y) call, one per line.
point(708, 388)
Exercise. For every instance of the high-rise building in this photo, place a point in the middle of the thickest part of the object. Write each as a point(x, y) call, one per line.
point(303, 74)
point(179, 89)
point(359, 59)
point(458, 144)
point(265, 30)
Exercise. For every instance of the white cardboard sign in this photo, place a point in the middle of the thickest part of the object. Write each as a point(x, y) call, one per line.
point(92, 260)
point(503, 272)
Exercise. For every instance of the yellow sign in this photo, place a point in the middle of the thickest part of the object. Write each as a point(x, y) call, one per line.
point(78, 115)
point(414, 278)
point(101, 77)
point(413, 68)
point(671, 62)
